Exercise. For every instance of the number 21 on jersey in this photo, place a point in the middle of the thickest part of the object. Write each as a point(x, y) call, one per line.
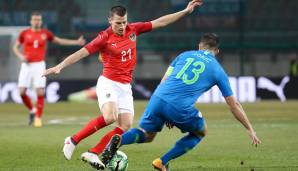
point(197, 67)
point(125, 54)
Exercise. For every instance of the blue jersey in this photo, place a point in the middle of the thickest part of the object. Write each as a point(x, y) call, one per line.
point(190, 75)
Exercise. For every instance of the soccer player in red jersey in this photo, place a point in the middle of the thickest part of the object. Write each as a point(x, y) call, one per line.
point(34, 41)
point(117, 46)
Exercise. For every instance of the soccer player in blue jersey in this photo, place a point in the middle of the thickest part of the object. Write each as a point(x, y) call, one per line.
point(173, 103)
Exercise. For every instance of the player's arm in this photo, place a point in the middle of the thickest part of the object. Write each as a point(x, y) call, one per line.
point(61, 41)
point(18, 53)
point(239, 114)
point(73, 58)
point(170, 18)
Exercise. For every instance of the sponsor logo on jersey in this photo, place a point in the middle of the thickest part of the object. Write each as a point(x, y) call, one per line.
point(114, 44)
point(133, 37)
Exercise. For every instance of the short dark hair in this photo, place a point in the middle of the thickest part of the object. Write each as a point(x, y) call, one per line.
point(210, 41)
point(118, 10)
point(35, 13)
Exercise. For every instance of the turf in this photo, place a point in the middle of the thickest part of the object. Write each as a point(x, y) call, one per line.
point(225, 147)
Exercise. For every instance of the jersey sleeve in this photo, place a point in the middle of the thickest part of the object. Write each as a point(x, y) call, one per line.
point(142, 27)
point(21, 37)
point(50, 35)
point(96, 44)
point(224, 84)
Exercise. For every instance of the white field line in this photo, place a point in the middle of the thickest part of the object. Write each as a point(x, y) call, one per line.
point(62, 121)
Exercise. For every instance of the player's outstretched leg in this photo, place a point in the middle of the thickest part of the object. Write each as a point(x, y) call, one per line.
point(93, 160)
point(111, 149)
point(157, 164)
point(68, 148)
point(91, 127)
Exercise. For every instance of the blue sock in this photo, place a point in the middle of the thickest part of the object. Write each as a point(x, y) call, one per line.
point(181, 147)
point(133, 135)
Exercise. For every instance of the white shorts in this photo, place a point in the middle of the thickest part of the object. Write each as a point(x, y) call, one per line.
point(111, 91)
point(31, 75)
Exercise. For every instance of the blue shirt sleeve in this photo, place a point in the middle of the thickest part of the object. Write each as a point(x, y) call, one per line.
point(224, 84)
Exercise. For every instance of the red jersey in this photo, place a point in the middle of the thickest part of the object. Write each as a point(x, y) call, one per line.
point(34, 43)
point(118, 53)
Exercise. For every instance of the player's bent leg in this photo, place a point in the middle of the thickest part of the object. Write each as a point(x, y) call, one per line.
point(88, 129)
point(93, 160)
point(94, 125)
point(91, 127)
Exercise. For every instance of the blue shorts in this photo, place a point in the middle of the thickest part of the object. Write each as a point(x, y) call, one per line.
point(159, 111)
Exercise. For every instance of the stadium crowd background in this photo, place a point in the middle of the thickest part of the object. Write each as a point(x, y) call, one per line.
point(259, 49)
point(258, 38)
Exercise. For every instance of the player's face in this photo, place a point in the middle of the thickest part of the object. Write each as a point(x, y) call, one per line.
point(118, 24)
point(36, 21)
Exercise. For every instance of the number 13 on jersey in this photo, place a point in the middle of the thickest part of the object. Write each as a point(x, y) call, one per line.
point(197, 67)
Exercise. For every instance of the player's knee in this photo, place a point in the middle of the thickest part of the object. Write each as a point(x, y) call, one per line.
point(110, 117)
point(203, 133)
point(200, 133)
point(110, 112)
point(22, 92)
point(126, 126)
point(149, 137)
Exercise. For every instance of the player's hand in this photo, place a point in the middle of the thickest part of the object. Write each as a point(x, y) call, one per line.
point(169, 125)
point(54, 70)
point(23, 59)
point(192, 4)
point(253, 136)
point(81, 40)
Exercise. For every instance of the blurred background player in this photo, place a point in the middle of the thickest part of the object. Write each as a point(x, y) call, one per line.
point(117, 47)
point(34, 41)
point(190, 75)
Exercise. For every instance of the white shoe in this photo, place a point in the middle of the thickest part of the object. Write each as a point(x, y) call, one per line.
point(93, 160)
point(68, 148)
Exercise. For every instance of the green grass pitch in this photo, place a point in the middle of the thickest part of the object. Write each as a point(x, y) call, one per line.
point(24, 148)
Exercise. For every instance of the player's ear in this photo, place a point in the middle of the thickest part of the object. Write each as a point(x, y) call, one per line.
point(217, 51)
point(110, 20)
point(200, 46)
